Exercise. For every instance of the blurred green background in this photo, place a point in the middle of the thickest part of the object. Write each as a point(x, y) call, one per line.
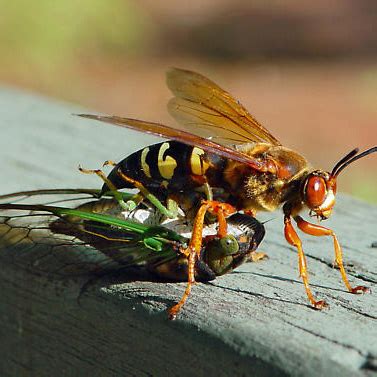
point(307, 70)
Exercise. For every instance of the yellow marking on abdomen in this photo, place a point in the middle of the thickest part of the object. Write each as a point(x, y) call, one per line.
point(144, 164)
point(166, 167)
point(198, 166)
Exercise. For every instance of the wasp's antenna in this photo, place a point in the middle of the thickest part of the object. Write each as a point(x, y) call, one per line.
point(349, 158)
point(343, 160)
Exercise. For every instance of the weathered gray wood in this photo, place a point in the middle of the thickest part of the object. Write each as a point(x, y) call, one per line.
point(255, 321)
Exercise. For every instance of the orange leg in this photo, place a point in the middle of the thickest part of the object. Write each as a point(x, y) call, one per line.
point(292, 238)
point(173, 311)
point(197, 229)
point(193, 251)
point(133, 182)
point(250, 212)
point(317, 230)
point(221, 210)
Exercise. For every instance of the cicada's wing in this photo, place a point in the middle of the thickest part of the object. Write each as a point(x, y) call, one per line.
point(206, 110)
point(70, 194)
point(27, 242)
point(34, 238)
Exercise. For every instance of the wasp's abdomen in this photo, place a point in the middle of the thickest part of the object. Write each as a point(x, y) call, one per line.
point(168, 164)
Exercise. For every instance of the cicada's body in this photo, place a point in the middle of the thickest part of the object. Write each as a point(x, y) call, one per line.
point(98, 237)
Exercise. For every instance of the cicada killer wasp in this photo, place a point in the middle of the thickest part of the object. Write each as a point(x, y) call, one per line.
point(219, 150)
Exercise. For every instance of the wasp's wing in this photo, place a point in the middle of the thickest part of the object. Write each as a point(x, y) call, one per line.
point(161, 130)
point(205, 109)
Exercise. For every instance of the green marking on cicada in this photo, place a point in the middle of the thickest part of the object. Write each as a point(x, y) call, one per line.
point(154, 238)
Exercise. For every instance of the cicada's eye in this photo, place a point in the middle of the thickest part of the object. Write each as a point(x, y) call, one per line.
point(315, 191)
point(229, 245)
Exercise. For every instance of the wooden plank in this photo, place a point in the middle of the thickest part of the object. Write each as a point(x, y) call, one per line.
point(255, 321)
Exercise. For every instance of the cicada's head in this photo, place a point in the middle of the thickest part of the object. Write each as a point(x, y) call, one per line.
point(319, 187)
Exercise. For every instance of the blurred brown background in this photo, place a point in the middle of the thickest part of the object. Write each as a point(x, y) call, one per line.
point(306, 70)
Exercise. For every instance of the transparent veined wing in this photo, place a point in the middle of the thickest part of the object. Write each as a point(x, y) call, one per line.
point(207, 110)
point(73, 233)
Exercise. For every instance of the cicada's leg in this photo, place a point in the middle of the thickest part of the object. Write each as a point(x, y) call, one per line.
point(172, 206)
point(193, 251)
point(206, 189)
point(113, 189)
point(257, 256)
point(136, 199)
point(168, 212)
point(317, 230)
point(109, 162)
point(292, 238)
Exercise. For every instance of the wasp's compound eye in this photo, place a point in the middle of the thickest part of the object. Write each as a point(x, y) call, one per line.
point(315, 192)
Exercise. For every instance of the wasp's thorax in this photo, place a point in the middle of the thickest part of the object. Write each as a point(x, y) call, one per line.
point(318, 193)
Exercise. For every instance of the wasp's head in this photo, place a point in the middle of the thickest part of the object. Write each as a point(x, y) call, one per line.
point(319, 187)
point(318, 193)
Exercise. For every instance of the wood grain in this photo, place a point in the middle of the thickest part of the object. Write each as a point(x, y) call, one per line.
point(255, 321)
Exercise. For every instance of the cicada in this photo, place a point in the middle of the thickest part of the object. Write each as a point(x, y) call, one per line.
point(97, 236)
point(220, 151)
